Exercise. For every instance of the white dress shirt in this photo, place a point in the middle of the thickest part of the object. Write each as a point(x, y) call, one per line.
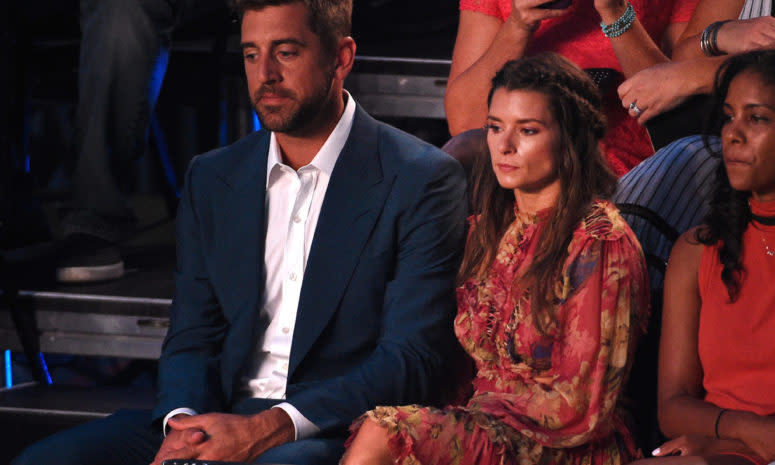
point(293, 203)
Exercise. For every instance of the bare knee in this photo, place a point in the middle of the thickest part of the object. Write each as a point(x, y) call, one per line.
point(370, 446)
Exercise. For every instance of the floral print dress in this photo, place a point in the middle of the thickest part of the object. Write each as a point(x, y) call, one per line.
point(539, 398)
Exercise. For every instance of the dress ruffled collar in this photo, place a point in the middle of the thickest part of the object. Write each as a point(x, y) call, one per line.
point(531, 218)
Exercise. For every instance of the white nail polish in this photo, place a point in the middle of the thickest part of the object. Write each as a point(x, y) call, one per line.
point(655, 451)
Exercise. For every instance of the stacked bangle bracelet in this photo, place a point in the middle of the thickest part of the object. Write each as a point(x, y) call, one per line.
point(709, 37)
point(621, 25)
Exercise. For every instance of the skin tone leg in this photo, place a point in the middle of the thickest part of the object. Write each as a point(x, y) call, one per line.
point(369, 446)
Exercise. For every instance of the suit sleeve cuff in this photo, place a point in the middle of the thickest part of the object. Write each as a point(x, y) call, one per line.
point(183, 410)
point(304, 428)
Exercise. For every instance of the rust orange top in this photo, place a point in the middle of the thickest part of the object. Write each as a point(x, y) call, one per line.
point(737, 340)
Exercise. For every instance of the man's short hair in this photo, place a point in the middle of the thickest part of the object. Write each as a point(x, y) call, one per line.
point(330, 20)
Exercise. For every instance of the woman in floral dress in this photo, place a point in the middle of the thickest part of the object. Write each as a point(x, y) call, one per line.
point(553, 293)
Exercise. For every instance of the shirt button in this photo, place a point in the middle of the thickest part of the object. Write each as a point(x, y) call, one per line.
point(292, 276)
point(286, 330)
point(297, 219)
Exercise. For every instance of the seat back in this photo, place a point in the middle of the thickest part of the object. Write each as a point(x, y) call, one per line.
point(640, 394)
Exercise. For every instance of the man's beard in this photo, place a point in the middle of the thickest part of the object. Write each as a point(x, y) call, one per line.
point(289, 118)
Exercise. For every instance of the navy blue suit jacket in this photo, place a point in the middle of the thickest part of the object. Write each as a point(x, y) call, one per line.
point(375, 315)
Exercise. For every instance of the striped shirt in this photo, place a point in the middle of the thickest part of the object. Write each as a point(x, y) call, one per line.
point(675, 183)
point(756, 8)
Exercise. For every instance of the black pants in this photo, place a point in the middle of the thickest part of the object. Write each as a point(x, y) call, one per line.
point(124, 46)
point(123, 59)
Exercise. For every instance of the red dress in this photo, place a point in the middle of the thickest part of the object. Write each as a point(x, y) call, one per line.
point(549, 399)
point(577, 36)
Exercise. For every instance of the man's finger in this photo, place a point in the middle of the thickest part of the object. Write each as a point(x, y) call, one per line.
point(185, 421)
point(194, 436)
point(187, 452)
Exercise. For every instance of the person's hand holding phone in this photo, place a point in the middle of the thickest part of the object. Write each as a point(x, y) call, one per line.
point(528, 14)
point(557, 4)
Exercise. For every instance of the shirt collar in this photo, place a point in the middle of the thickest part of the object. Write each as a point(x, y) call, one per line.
point(326, 157)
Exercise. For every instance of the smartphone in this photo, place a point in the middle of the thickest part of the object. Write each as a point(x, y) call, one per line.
point(556, 4)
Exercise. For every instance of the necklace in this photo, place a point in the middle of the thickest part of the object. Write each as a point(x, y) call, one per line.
point(767, 249)
point(766, 221)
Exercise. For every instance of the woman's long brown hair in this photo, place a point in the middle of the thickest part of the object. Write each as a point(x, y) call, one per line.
point(584, 175)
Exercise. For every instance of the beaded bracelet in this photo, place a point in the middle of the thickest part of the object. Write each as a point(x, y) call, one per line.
point(621, 25)
point(709, 37)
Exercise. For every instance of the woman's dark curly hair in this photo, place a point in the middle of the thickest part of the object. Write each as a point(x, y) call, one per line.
point(730, 212)
point(576, 104)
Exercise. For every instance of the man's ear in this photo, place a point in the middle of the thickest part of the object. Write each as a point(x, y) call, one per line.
point(345, 57)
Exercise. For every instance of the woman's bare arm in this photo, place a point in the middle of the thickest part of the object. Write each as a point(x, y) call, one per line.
point(483, 45)
point(680, 406)
point(634, 49)
point(707, 12)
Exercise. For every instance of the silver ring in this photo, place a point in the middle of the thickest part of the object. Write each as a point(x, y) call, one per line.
point(635, 108)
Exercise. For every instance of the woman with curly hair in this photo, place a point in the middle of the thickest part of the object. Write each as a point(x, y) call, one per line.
point(552, 293)
point(717, 360)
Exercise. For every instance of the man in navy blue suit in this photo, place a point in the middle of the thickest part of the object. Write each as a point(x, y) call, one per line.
point(316, 269)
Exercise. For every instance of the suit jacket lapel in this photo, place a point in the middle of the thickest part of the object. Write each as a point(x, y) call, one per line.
point(353, 202)
point(242, 201)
